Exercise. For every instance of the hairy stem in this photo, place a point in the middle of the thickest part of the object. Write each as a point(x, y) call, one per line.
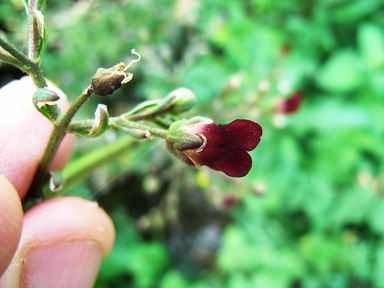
point(58, 134)
point(22, 60)
point(121, 121)
point(81, 168)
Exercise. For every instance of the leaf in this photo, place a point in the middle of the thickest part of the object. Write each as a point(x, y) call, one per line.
point(342, 73)
point(370, 39)
point(378, 275)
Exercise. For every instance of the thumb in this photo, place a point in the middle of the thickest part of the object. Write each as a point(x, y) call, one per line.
point(62, 244)
point(11, 217)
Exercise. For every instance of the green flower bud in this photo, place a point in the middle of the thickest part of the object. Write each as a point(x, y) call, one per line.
point(184, 100)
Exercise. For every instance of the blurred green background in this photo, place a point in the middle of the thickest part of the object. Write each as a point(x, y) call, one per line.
point(311, 211)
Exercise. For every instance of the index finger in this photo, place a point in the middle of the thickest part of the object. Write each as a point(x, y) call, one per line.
point(24, 135)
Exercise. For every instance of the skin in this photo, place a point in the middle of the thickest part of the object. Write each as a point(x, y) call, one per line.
point(59, 242)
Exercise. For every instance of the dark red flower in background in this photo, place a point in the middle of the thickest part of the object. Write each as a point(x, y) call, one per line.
point(289, 105)
point(222, 147)
point(229, 201)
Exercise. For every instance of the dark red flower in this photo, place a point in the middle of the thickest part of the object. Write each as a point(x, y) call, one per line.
point(289, 105)
point(229, 201)
point(222, 147)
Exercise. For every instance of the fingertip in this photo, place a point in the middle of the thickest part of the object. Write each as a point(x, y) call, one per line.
point(68, 219)
point(11, 218)
point(25, 133)
point(62, 244)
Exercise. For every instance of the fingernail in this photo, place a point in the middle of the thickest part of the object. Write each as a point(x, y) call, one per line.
point(68, 264)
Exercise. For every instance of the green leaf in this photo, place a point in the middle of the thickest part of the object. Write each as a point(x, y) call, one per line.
point(342, 73)
point(378, 275)
point(371, 43)
point(173, 279)
point(145, 262)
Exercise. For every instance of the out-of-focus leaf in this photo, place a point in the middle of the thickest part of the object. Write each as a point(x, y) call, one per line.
point(371, 43)
point(206, 78)
point(378, 275)
point(332, 116)
point(146, 262)
point(173, 279)
point(341, 73)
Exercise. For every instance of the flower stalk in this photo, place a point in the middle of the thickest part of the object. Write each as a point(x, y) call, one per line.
point(57, 136)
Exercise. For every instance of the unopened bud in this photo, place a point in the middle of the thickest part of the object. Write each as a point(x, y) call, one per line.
point(184, 100)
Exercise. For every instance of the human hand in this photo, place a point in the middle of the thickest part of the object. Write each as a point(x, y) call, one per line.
point(59, 242)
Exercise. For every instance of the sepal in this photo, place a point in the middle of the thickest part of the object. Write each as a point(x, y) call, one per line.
point(43, 97)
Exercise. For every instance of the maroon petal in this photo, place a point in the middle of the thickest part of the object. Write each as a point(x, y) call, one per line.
point(244, 134)
point(240, 133)
point(233, 162)
point(289, 105)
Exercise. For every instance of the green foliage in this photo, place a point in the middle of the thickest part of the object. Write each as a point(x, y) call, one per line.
point(319, 221)
point(142, 263)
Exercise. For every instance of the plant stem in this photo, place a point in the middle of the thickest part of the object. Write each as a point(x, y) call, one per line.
point(23, 60)
point(58, 134)
point(83, 167)
point(121, 121)
point(28, 66)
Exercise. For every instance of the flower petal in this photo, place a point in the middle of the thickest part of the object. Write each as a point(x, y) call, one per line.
point(289, 105)
point(245, 134)
point(233, 162)
point(240, 133)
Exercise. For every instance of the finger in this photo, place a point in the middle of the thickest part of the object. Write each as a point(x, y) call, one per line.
point(11, 218)
point(62, 244)
point(24, 135)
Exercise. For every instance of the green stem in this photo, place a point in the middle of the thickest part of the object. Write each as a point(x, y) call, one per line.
point(121, 121)
point(58, 134)
point(81, 168)
point(22, 60)
point(26, 65)
point(37, 76)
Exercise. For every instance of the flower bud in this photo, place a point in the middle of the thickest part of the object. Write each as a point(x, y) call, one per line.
point(184, 100)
